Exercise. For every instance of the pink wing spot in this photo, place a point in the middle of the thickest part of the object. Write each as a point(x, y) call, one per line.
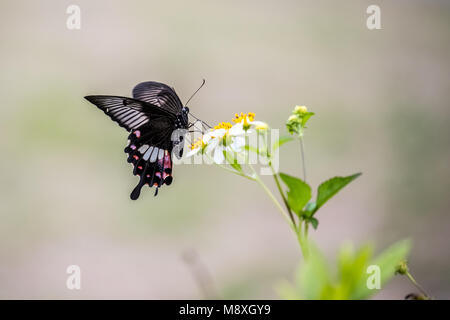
point(140, 167)
point(133, 147)
point(136, 157)
point(137, 133)
point(167, 162)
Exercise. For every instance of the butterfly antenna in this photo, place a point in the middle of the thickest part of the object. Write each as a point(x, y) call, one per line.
point(203, 83)
point(203, 122)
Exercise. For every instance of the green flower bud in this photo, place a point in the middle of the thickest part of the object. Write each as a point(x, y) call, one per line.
point(402, 268)
point(300, 110)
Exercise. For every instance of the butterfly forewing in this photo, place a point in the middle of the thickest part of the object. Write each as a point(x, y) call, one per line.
point(128, 113)
point(159, 95)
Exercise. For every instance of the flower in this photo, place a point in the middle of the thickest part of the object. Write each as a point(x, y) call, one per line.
point(225, 137)
point(248, 121)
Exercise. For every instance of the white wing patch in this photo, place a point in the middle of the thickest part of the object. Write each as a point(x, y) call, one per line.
point(151, 153)
point(143, 148)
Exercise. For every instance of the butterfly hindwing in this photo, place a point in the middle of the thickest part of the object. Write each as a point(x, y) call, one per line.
point(151, 159)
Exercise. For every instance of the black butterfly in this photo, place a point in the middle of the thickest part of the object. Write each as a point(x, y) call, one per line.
point(157, 122)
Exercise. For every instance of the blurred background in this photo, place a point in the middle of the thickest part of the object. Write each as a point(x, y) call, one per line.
point(381, 99)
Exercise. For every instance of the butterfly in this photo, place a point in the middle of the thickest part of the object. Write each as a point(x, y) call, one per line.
point(157, 122)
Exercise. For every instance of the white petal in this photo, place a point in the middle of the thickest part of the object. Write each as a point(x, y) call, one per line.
point(213, 143)
point(206, 138)
point(219, 133)
point(237, 129)
point(192, 152)
point(218, 155)
point(238, 144)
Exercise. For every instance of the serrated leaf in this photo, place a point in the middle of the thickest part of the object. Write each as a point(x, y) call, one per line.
point(299, 192)
point(332, 186)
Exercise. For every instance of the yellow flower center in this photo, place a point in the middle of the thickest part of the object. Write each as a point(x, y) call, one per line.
point(198, 144)
point(223, 125)
point(244, 117)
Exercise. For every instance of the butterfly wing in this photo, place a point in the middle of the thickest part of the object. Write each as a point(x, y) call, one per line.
point(158, 94)
point(128, 113)
point(149, 151)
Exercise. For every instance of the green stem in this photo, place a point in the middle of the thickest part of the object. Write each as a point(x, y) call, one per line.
point(302, 240)
point(302, 151)
point(231, 170)
point(417, 285)
point(306, 229)
point(272, 197)
point(277, 181)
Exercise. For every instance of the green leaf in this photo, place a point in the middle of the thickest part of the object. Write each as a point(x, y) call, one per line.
point(330, 187)
point(309, 209)
point(313, 277)
point(352, 269)
point(287, 291)
point(314, 222)
point(282, 140)
point(306, 117)
point(299, 192)
point(387, 261)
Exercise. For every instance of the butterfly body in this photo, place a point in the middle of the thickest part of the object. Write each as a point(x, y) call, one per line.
point(152, 116)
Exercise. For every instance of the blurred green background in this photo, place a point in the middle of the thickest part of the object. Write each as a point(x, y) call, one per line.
point(382, 104)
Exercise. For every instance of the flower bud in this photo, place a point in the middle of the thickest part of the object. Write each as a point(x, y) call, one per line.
point(262, 126)
point(293, 118)
point(402, 268)
point(300, 110)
